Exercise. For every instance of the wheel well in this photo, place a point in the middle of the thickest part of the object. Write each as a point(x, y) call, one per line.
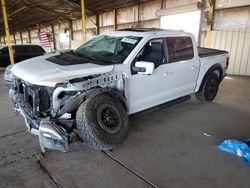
point(217, 72)
point(120, 97)
point(217, 69)
point(114, 94)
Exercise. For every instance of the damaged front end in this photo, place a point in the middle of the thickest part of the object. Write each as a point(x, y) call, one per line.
point(49, 112)
point(30, 102)
point(52, 136)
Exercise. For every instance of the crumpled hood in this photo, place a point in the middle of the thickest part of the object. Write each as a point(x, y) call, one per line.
point(40, 71)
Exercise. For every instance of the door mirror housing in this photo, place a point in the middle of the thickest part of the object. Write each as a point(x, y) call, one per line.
point(144, 67)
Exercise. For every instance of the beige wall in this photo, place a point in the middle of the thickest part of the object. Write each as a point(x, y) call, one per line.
point(231, 32)
point(220, 4)
point(232, 18)
point(176, 3)
point(237, 42)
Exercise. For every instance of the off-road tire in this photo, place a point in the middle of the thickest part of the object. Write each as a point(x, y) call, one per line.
point(209, 89)
point(90, 129)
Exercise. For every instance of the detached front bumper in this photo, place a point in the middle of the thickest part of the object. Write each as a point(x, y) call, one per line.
point(50, 135)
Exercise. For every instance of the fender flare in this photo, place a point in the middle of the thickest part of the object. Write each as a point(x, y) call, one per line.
point(217, 67)
point(115, 94)
point(74, 103)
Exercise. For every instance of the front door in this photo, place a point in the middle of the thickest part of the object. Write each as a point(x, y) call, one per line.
point(146, 91)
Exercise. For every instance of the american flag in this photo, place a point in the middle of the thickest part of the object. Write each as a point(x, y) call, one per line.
point(44, 39)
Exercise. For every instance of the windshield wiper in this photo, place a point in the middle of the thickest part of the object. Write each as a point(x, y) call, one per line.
point(74, 52)
point(93, 58)
point(88, 57)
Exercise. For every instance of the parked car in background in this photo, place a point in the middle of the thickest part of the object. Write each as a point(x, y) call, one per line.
point(20, 52)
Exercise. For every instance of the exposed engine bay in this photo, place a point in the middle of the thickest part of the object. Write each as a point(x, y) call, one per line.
point(50, 112)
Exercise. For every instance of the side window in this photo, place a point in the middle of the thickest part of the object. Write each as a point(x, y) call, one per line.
point(153, 51)
point(33, 49)
point(21, 49)
point(179, 49)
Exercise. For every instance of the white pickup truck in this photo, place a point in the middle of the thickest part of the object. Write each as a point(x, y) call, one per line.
point(94, 88)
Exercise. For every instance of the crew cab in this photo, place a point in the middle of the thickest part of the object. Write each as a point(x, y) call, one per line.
point(94, 88)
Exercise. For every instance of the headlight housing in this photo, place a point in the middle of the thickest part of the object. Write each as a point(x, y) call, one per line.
point(7, 70)
point(8, 75)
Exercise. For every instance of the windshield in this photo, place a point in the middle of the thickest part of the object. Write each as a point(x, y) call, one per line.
point(109, 49)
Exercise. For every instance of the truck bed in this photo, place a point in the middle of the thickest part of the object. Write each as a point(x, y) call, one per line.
point(206, 52)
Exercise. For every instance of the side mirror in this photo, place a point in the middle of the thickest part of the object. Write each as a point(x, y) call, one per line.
point(144, 67)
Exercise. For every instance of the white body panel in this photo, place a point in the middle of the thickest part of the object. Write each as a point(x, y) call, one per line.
point(168, 82)
point(207, 62)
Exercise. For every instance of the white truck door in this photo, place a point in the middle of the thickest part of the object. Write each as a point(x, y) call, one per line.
point(175, 74)
point(183, 64)
point(145, 91)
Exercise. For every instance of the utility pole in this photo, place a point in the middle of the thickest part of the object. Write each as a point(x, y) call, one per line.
point(83, 21)
point(7, 31)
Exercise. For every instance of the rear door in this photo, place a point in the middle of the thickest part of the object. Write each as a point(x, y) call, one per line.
point(183, 64)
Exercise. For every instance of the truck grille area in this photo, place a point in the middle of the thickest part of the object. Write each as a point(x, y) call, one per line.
point(34, 100)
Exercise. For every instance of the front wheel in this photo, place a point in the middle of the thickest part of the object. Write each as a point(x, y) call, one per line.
point(209, 89)
point(102, 122)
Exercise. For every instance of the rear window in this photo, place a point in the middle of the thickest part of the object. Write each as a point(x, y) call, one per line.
point(34, 49)
point(41, 49)
point(21, 49)
point(179, 49)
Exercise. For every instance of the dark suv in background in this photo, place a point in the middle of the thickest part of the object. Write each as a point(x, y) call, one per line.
point(21, 52)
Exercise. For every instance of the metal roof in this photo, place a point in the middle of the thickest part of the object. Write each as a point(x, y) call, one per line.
point(24, 14)
point(142, 29)
point(147, 32)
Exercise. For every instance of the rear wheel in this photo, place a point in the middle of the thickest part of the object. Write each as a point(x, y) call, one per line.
point(102, 122)
point(209, 89)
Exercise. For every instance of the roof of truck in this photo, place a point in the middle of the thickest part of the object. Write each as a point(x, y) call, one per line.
point(145, 32)
point(142, 29)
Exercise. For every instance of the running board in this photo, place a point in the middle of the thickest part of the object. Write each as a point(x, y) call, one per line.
point(164, 105)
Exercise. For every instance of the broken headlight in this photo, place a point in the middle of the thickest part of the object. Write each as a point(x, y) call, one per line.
point(8, 75)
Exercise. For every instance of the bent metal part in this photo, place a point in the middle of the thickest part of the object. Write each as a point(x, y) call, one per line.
point(52, 136)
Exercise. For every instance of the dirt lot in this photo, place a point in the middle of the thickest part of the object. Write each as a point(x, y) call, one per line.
point(167, 147)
